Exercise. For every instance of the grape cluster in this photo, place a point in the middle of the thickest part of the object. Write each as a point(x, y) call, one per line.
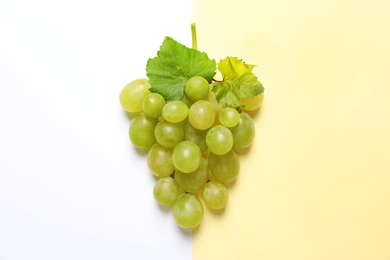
point(191, 144)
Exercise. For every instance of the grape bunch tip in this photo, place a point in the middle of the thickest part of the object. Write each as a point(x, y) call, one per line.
point(191, 126)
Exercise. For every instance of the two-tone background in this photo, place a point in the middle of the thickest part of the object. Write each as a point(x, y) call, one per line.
point(315, 184)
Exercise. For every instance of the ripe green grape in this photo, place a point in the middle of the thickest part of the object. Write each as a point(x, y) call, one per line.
point(166, 191)
point(195, 135)
point(229, 116)
point(224, 168)
point(202, 115)
point(169, 134)
point(193, 181)
point(188, 211)
point(243, 132)
point(219, 139)
point(132, 95)
point(187, 100)
point(175, 111)
point(141, 131)
point(197, 88)
point(211, 98)
point(153, 104)
point(186, 156)
point(160, 160)
point(215, 195)
point(251, 104)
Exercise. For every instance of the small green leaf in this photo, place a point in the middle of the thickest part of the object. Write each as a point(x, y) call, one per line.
point(174, 65)
point(238, 82)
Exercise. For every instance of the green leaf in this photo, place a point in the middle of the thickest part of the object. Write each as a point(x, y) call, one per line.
point(174, 65)
point(238, 82)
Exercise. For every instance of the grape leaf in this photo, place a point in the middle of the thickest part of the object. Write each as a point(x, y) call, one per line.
point(238, 82)
point(174, 64)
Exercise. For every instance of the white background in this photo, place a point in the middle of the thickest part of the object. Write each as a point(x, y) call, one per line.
point(71, 184)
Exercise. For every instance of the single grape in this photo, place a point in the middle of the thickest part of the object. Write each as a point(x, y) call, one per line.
point(188, 211)
point(195, 135)
point(186, 156)
point(202, 115)
point(215, 195)
point(132, 95)
point(175, 111)
point(193, 181)
point(141, 131)
point(153, 104)
point(169, 134)
point(224, 168)
point(166, 191)
point(219, 139)
point(251, 104)
point(211, 98)
point(196, 88)
point(229, 116)
point(160, 160)
point(243, 132)
point(187, 100)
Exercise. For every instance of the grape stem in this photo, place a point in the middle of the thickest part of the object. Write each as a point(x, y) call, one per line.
point(193, 34)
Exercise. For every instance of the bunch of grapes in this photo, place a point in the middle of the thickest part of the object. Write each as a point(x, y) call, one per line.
point(191, 144)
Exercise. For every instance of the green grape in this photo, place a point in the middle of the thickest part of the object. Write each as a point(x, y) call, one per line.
point(141, 131)
point(188, 211)
point(175, 111)
point(132, 95)
point(229, 117)
point(169, 134)
point(224, 168)
point(251, 104)
point(193, 181)
point(219, 139)
point(166, 191)
point(160, 160)
point(215, 195)
point(196, 88)
point(153, 104)
point(243, 132)
point(194, 135)
point(211, 98)
point(202, 115)
point(187, 100)
point(186, 156)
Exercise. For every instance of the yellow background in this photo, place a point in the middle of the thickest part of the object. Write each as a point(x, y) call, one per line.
point(316, 182)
